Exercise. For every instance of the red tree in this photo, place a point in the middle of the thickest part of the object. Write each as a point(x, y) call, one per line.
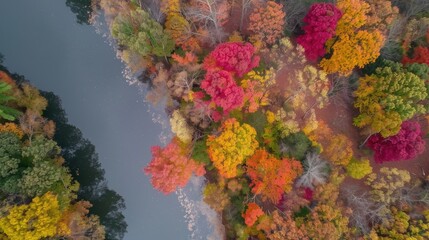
point(253, 212)
point(420, 55)
point(171, 168)
point(223, 90)
point(321, 22)
point(405, 145)
point(234, 57)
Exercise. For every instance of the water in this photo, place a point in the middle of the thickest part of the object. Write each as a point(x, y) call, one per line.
point(41, 40)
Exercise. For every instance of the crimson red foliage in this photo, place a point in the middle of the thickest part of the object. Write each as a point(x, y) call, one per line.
point(235, 57)
point(420, 55)
point(223, 90)
point(321, 22)
point(405, 145)
point(171, 168)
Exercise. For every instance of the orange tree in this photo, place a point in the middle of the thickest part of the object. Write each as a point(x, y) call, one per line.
point(271, 177)
point(353, 46)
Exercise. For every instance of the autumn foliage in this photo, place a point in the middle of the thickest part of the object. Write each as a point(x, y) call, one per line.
point(266, 22)
point(420, 55)
point(353, 46)
point(235, 143)
point(252, 213)
point(170, 168)
point(321, 22)
point(235, 57)
point(405, 145)
point(271, 177)
point(223, 90)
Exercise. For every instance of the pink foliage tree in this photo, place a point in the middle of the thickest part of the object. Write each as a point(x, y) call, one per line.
point(321, 22)
point(223, 90)
point(405, 145)
point(235, 57)
point(170, 168)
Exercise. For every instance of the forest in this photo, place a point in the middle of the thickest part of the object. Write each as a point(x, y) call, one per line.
point(308, 119)
point(52, 185)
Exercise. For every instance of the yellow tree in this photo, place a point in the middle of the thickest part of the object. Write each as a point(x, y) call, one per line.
point(33, 221)
point(352, 45)
point(231, 147)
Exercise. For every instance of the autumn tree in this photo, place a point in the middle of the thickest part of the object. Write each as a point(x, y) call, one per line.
point(386, 98)
point(405, 145)
point(235, 57)
point(326, 222)
point(266, 22)
point(339, 150)
point(352, 45)
point(171, 168)
point(231, 147)
point(252, 213)
point(285, 227)
point(180, 127)
point(176, 24)
point(386, 183)
point(216, 197)
point(420, 55)
point(381, 15)
point(223, 90)
point(358, 169)
point(32, 221)
point(271, 177)
point(139, 32)
point(29, 97)
point(321, 21)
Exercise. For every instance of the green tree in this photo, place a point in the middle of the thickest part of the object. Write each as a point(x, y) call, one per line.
point(138, 31)
point(389, 96)
point(6, 112)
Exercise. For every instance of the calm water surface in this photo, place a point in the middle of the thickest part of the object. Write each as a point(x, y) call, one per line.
point(41, 40)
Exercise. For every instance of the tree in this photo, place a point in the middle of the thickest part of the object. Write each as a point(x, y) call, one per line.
point(405, 145)
point(252, 213)
point(358, 169)
point(32, 221)
point(271, 177)
point(235, 57)
point(140, 33)
point(171, 168)
point(321, 22)
point(315, 171)
point(211, 16)
point(285, 227)
point(223, 90)
point(386, 98)
point(12, 128)
point(82, 9)
point(386, 183)
point(353, 50)
point(176, 24)
point(352, 46)
point(326, 222)
point(420, 55)
point(180, 127)
point(266, 22)
point(380, 15)
point(6, 112)
point(215, 196)
point(231, 147)
point(29, 97)
point(339, 150)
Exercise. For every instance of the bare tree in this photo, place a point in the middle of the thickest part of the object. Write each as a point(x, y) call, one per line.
point(211, 14)
point(316, 171)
